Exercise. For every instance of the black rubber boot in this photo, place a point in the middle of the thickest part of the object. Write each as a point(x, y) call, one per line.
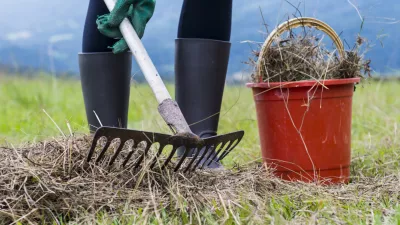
point(105, 79)
point(200, 73)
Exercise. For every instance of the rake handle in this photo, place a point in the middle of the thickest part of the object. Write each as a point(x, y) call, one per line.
point(167, 108)
point(142, 58)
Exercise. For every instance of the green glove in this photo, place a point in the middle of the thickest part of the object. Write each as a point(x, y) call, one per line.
point(138, 12)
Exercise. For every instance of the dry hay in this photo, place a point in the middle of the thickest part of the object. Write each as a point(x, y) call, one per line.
point(53, 178)
point(49, 179)
point(304, 56)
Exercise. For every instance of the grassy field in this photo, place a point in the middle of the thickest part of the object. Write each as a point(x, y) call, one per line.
point(29, 106)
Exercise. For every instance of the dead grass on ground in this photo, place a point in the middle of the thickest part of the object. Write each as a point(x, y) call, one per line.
point(40, 182)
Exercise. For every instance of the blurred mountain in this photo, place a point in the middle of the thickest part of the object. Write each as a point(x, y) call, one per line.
point(46, 34)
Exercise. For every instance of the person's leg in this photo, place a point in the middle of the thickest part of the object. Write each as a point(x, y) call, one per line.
point(201, 61)
point(105, 76)
point(206, 19)
point(93, 40)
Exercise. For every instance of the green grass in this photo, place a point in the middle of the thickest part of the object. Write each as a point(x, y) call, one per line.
point(375, 145)
point(26, 102)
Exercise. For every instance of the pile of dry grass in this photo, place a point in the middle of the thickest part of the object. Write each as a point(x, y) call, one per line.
point(304, 56)
point(52, 178)
point(43, 181)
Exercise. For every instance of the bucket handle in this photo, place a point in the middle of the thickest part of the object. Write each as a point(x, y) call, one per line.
point(297, 22)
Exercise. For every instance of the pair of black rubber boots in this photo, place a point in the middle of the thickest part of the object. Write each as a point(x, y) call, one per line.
point(200, 73)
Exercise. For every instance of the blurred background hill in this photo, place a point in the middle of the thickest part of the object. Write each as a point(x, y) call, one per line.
point(46, 35)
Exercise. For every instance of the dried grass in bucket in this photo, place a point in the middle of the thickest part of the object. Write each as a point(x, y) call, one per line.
point(304, 56)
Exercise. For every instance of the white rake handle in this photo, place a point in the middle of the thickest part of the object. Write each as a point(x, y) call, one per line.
point(142, 58)
point(168, 108)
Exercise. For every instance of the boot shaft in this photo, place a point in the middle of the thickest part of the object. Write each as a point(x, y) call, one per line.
point(200, 74)
point(105, 80)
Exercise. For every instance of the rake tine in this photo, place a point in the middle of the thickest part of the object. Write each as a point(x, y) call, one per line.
point(207, 158)
point(220, 150)
point(193, 159)
point(92, 148)
point(212, 154)
point(187, 150)
point(157, 156)
point(120, 147)
point(201, 158)
point(103, 151)
point(146, 150)
point(169, 158)
point(227, 151)
point(135, 144)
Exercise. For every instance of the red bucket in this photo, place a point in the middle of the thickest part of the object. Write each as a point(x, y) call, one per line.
point(305, 128)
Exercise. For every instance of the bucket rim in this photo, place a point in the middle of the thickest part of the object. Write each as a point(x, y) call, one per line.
point(303, 83)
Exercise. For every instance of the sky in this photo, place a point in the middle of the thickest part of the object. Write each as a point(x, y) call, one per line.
point(54, 27)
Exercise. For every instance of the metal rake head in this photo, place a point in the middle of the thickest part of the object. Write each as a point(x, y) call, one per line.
point(203, 153)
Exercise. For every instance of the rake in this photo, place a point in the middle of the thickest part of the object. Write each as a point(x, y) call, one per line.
point(206, 151)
